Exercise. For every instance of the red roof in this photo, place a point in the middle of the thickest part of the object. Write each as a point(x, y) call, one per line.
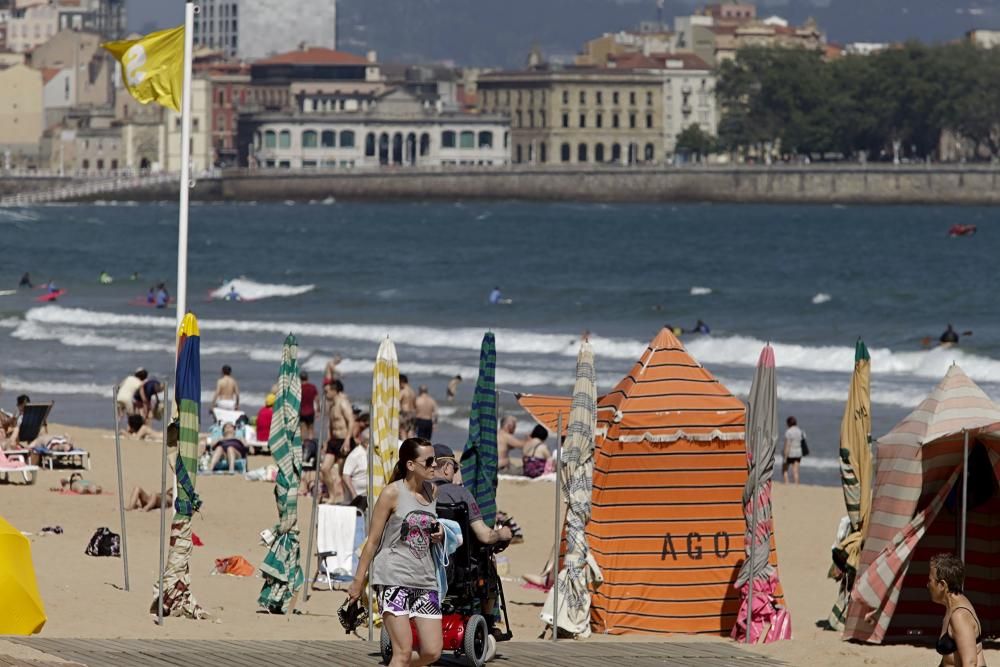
point(48, 73)
point(314, 56)
point(658, 61)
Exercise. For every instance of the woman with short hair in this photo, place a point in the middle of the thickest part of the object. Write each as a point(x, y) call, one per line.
point(403, 570)
point(961, 640)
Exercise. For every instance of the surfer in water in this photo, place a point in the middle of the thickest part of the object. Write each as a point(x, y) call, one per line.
point(151, 296)
point(233, 295)
point(105, 278)
point(701, 328)
point(950, 336)
point(496, 296)
point(25, 280)
point(50, 287)
point(162, 296)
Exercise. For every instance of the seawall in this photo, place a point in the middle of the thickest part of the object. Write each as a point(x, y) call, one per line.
point(938, 184)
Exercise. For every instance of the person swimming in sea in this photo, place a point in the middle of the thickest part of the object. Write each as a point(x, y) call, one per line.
point(25, 280)
point(701, 328)
point(950, 336)
point(151, 296)
point(233, 295)
point(162, 296)
point(496, 296)
point(50, 286)
point(105, 278)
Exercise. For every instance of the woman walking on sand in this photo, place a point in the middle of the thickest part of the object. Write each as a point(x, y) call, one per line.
point(793, 450)
point(961, 639)
point(403, 573)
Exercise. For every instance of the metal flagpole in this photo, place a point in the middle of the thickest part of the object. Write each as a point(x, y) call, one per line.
point(163, 496)
point(182, 227)
point(314, 526)
point(965, 491)
point(558, 531)
point(753, 546)
point(368, 510)
point(121, 490)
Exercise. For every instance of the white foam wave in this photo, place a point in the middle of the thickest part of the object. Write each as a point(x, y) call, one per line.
point(833, 392)
point(250, 290)
point(822, 297)
point(9, 323)
point(41, 388)
point(509, 341)
point(932, 364)
point(700, 291)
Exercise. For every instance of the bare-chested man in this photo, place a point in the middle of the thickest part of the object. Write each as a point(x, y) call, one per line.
point(426, 414)
point(407, 407)
point(227, 391)
point(506, 441)
point(340, 425)
point(453, 387)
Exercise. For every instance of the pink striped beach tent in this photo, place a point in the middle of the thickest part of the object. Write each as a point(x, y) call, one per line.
point(917, 511)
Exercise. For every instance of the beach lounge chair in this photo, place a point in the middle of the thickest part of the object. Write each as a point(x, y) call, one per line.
point(72, 458)
point(16, 464)
point(34, 420)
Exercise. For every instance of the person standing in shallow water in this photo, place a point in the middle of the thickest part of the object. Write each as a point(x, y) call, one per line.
point(793, 450)
point(403, 573)
point(961, 640)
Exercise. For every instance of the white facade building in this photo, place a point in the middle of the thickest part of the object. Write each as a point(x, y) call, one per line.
point(688, 98)
point(391, 129)
point(32, 26)
point(201, 130)
point(253, 29)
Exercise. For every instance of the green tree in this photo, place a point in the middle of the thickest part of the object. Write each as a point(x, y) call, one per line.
point(693, 140)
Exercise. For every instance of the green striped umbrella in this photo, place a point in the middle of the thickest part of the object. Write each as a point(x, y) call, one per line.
point(479, 460)
point(283, 575)
point(177, 598)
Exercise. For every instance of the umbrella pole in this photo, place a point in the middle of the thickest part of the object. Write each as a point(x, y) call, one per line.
point(555, 557)
point(753, 550)
point(163, 496)
point(965, 491)
point(368, 509)
point(314, 526)
point(121, 490)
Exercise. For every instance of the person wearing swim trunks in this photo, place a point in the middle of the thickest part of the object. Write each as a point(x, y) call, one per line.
point(403, 574)
point(147, 399)
point(340, 426)
point(308, 407)
point(506, 441)
point(426, 414)
point(227, 391)
point(229, 446)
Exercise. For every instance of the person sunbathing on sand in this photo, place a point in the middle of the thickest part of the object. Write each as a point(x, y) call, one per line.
point(76, 484)
point(140, 499)
point(230, 446)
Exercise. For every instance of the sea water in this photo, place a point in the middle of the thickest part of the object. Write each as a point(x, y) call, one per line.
point(342, 276)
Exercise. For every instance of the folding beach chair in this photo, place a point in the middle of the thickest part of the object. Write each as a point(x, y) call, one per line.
point(34, 420)
point(16, 464)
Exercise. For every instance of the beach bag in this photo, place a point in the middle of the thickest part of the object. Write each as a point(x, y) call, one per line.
point(104, 543)
point(805, 446)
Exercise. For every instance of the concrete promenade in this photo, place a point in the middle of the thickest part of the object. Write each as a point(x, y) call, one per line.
point(41, 652)
point(778, 184)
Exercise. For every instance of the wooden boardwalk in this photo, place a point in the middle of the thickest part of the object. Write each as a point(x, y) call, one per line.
point(211, 653)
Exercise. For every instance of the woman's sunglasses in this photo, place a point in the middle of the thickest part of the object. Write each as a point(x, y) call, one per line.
point(429, 462)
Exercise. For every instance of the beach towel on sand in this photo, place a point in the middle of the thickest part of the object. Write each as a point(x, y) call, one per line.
point(237, 566)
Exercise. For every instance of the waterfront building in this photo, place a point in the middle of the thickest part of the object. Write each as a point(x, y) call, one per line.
point(21, 115)
point(253, 29)
point(394, 128)
point(578, 115)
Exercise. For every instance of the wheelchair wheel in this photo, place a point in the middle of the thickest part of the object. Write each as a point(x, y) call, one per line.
point(385, 646)
point(474, 646)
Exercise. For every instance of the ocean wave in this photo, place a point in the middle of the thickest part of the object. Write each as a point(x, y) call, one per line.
point(42, 388)
point(933, 364)
point(822, 297)
point(700, 291)
point(250, 290)
point(834, 392)
point(509, 341)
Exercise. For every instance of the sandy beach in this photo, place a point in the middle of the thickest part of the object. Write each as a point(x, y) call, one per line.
point(84, 595)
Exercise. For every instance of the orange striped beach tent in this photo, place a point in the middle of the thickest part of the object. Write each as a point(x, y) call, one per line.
point(667, 526)
point(916, 513)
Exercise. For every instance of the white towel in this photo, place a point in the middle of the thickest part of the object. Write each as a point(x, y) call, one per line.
point(336, 534)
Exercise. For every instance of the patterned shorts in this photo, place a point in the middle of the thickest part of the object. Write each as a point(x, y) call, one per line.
point(412, 602)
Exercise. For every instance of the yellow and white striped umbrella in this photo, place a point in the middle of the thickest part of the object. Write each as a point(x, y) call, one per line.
point(385, 417)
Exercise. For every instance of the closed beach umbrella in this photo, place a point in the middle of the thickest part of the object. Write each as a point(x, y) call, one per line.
point(177, 597)
point(282, 571)
point(758, 578)
point(856, 479)
point(479, 460)
point(384, 443)
point(579, 569)
point(22, 612)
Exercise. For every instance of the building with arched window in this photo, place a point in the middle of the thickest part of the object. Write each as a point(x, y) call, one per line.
point(391, 129)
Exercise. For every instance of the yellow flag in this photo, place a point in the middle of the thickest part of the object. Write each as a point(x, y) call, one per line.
point(153, 66)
